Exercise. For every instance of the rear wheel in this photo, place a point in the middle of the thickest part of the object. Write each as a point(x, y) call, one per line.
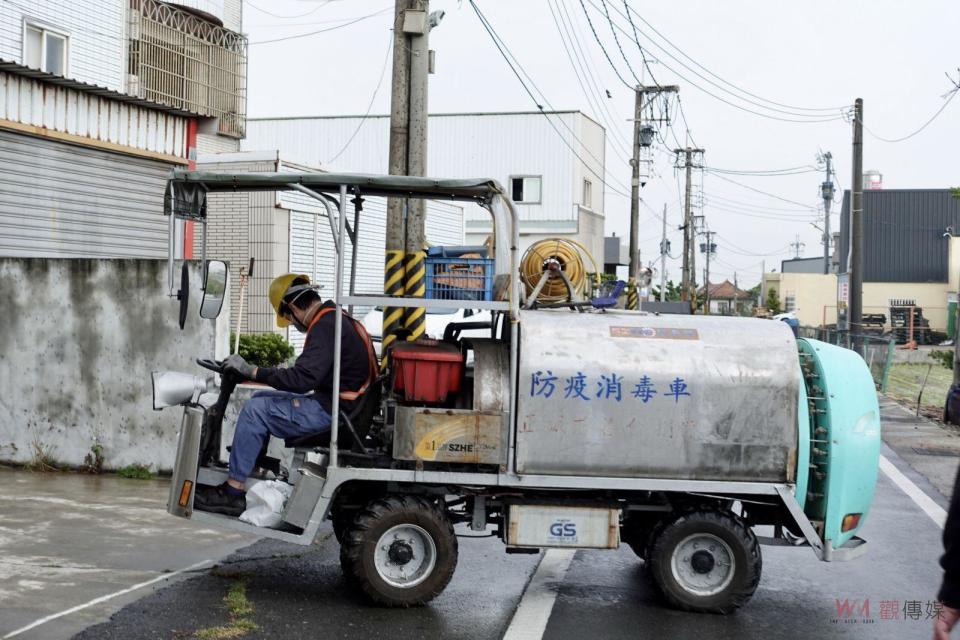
point(706, 561)
point(400, 550)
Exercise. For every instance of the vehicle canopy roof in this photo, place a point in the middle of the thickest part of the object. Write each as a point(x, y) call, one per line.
point(186, 190)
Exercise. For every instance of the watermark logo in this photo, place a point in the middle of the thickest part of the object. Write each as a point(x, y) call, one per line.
point(860, 611)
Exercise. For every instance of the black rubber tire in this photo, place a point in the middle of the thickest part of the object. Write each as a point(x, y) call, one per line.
point(341, 522)
point(359, 544)
point(726, 526)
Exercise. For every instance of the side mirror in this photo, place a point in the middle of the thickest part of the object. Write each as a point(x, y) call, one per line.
point(214, 289)
point(184, 294)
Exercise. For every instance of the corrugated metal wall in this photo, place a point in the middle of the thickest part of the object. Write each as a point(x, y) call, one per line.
point(67, 201)
point(32, 102)
point(903, 234)
point(444, 226)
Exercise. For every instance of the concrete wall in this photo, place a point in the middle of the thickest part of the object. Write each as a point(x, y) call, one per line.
point(79, 341)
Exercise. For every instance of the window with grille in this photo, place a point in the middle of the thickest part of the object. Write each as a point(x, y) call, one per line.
point(180, 59)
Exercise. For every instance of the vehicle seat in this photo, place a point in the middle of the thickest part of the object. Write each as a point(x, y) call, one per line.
point(353, 426)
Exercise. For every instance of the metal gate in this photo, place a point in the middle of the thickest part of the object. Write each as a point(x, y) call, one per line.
point(61, 200)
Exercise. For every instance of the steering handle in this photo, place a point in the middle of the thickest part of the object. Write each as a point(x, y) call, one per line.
point(212, 365)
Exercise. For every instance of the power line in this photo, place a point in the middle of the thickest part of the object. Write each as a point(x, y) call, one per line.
point(592, 74)
point(788, 171)
point(369, 106)
point(602, 48)
point(738, 88)
point(504, 50)
point(766, 193)
point(575, 62)
point(617, 40)
point(950, 97)
point(299, 15)
point(313, 33)
point(800, 117)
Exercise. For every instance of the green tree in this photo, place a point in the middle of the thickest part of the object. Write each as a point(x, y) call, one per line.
point(773, 301)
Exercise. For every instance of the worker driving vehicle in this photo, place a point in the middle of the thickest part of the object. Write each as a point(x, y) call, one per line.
point(299, 404)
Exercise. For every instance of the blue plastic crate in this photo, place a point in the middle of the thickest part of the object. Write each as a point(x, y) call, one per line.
point(459, 278)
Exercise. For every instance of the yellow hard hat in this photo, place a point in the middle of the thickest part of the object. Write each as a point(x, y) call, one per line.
point(278, 289)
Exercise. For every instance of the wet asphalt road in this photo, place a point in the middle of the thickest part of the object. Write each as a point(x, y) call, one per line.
point(299, 593)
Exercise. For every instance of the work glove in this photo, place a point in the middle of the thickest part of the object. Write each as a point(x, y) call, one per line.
point(239, 367)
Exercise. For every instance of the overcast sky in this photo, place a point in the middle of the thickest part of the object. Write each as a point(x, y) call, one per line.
point(812, 54)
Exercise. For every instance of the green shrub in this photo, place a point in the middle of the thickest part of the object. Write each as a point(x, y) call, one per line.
point(945, 358)
point(264, 349)
point(135, 472)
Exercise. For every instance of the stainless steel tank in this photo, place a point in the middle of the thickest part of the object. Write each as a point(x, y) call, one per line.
point(627, 394)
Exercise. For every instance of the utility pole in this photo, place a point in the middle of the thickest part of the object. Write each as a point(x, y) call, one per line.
point(855, 310)
point(393, 273)
point(797, 245)
point(664, 251)
point(404, 271)
point(417, 25)
point(688, 276)
point(643, 134)
point(707, 249)
point(762, 302)
point(826, 191)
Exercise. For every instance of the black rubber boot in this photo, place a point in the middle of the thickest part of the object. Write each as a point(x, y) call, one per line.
point(219, 500)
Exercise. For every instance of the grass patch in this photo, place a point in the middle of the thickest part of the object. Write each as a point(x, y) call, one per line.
point(906, 379)
point(240, 611)
point(135, 472)
point(42, 457)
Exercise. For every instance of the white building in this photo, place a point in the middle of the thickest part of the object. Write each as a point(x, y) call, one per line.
point(98, 101)
point(552, 172)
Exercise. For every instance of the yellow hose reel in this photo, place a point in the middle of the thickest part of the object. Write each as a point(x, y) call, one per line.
point(553, 270)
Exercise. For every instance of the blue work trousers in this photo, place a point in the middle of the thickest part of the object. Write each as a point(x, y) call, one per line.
point(272, 413)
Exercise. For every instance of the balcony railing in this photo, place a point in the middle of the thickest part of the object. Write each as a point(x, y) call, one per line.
point(182, 60)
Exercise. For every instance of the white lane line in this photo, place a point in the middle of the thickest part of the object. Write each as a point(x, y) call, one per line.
point(925, 502)
point(101, 599)
point(533, 613)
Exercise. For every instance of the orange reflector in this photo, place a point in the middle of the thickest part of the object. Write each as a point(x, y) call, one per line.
point(188, 485)
point(850, 521)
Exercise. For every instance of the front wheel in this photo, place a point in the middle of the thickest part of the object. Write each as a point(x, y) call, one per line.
point(400, 550)
point(706, 561)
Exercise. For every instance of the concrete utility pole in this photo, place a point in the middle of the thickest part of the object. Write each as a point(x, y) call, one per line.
point(826, 191)
point(708, 249)
point(663, 256)
point(404, 271)
point(643, 134)
point(393, 274)
point(855, 310)
point(689, 237)
point(417, 25)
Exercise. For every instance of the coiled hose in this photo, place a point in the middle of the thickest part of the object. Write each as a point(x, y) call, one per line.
point(565, 254)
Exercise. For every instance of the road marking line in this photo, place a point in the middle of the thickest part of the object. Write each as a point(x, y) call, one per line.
point(109, 596)
point(533, 613)
point(925, 502)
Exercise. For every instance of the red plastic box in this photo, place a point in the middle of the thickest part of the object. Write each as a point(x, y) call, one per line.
point(427, 370)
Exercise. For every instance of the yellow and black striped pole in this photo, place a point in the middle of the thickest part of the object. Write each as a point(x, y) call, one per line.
point(392, 286)
point(415, 286)
point(633, 298)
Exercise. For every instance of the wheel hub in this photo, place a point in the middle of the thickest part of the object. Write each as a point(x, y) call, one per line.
point(405, 556)
point(703, 564)
point(702, 561)
point(400, 552)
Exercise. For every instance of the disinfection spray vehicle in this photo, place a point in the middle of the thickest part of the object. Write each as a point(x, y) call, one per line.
point(692, 439)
